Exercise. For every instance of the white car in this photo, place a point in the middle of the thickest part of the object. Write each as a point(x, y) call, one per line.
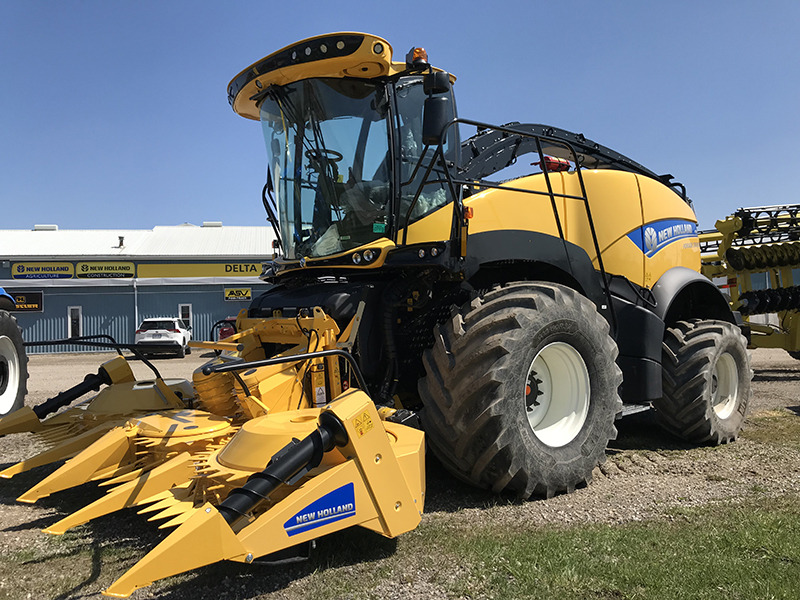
point(164, 335)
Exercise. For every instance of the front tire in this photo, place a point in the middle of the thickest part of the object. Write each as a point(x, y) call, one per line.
point(706, 381)
point(13, 365)
point(521, 390)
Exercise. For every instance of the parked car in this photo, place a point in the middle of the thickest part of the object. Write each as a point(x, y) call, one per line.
point(227, 328)
point(164, 335)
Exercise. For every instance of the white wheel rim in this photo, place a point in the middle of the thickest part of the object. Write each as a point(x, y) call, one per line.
point(725, 386)
point(556, 394)
point(9, 374)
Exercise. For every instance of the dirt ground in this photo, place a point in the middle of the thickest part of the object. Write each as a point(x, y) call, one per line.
point(647, 473)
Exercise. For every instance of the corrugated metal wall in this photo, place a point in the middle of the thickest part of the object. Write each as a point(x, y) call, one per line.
point(104, 310)
point(111, 310)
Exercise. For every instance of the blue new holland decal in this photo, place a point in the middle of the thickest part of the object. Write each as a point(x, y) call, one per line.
point(654, 236)
point(333, 506)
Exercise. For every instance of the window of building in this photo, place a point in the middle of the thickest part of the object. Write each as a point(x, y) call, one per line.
point(74, 321)
point(185, 313)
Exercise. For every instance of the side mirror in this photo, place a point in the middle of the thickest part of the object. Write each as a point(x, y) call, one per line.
point(437, 107)
point(437, 114)
point(436, 82)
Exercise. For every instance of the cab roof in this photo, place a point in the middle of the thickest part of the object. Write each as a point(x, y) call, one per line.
point(346, 54)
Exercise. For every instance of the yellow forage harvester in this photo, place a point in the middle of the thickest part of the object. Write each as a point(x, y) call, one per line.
point(518, 318)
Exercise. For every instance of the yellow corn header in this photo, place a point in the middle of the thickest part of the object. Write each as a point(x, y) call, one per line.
point(249, 459)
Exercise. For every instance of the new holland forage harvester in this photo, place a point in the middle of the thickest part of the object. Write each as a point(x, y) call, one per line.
point(515, 320)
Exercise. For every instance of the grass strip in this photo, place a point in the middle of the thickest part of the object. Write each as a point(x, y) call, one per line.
point(743, 551)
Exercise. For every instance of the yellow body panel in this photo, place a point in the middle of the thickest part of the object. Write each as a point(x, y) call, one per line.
point(621, 203)
point(499, 210)
point(659, 203)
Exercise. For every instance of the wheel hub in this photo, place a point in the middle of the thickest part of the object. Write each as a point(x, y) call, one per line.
point(557, 394)
point(725, 386)
point(3, 375)
point(9, 374)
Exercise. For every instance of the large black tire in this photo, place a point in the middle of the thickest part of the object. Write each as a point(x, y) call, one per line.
point(706, 381)
point(794, 354)
point(13, 365)
point(481, 420)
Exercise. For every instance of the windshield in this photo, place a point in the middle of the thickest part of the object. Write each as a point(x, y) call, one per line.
point(329, 162)
point(151, 325)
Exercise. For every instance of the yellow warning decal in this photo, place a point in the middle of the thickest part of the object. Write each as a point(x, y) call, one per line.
point(363, 423)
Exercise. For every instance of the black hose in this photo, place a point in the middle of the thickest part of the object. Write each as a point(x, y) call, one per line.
point(91, 383)
point(285, 468)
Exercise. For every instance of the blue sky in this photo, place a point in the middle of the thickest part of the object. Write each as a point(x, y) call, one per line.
point(114, 114)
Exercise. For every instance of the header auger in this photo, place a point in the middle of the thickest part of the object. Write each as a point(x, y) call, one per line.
point(514, 320)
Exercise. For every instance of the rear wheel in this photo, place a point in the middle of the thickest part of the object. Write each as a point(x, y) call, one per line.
point(13, 365)
point(706, 381)
point(521, 390)
point(181, 351)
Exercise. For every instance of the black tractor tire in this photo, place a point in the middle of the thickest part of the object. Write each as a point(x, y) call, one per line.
point(13, 365)
point(794, 354)
point(480, 418)
point(706, 381)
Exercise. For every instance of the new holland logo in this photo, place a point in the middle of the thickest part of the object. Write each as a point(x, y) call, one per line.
point(333, 506)
point(656, 236)
point(650, 239)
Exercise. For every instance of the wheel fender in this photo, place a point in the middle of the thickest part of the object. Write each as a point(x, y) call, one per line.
point(682, 293)
point(6, 301)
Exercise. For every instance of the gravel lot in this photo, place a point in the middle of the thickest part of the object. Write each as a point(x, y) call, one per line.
point(647, 473)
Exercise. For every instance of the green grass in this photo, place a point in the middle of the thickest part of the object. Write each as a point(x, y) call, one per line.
point(748, 551)
point(776, 427)
point(737, 550)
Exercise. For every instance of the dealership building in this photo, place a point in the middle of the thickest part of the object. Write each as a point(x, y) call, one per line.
point(69, 283)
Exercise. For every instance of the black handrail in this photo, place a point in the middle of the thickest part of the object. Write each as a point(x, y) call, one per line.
point(85, 341)
point(458, 206)
point(240, 366)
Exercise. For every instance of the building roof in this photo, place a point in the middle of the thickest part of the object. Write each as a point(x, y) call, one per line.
point(212, 240)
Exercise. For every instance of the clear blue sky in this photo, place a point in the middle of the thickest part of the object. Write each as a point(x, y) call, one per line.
point(114, 114)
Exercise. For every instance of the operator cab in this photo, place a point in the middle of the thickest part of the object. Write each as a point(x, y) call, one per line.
point(345, 152)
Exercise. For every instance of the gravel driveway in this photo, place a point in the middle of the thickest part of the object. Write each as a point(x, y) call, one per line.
point(647, 473)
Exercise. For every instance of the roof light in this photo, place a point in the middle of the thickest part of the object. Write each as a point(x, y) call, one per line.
point(417, 57)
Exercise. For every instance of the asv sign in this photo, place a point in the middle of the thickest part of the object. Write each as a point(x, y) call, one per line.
point(238, 294)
